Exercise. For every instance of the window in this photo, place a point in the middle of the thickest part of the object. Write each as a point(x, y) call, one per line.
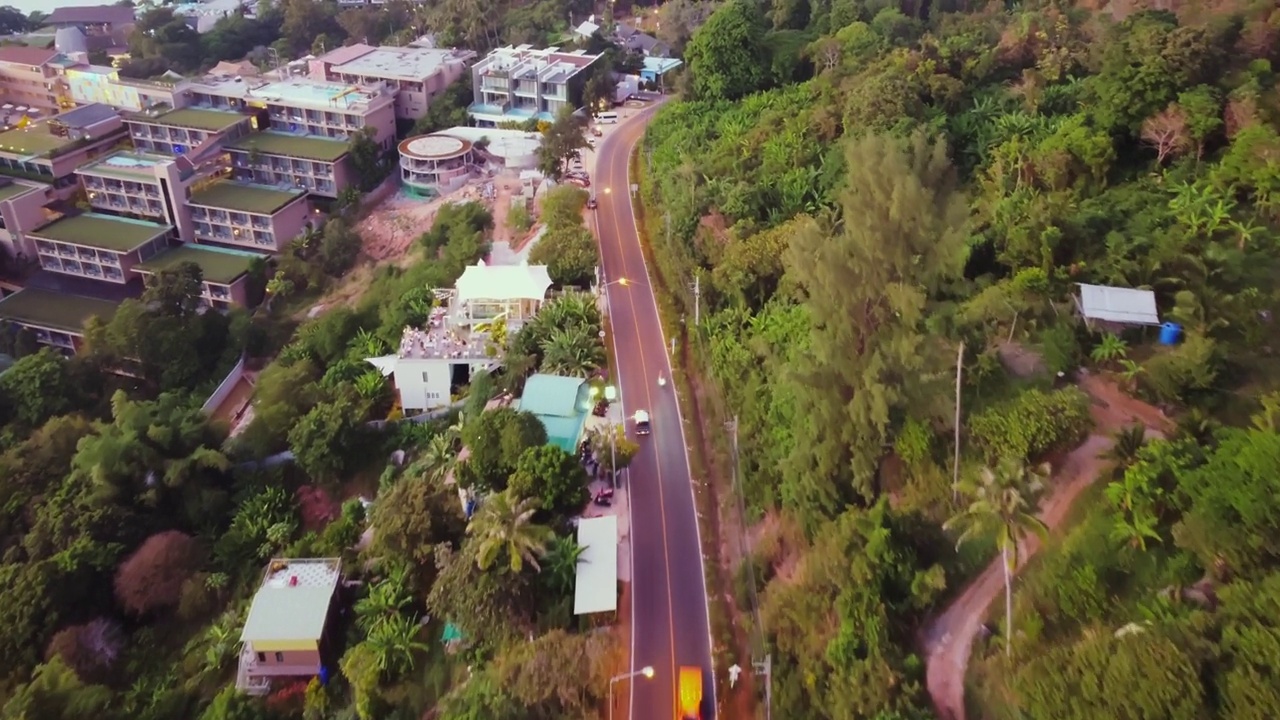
point(262, 657)
point(279, 657)
point(424, 376)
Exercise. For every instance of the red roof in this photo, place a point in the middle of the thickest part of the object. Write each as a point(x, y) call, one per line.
point(25, 55)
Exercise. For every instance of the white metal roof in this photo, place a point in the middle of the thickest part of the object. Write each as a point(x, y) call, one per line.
point(1119, 305)
point(503, 282)
point(596, 589)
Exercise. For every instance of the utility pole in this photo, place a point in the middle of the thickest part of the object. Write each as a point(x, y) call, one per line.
point(765, 668)
point(955, 471)
point(697, 297)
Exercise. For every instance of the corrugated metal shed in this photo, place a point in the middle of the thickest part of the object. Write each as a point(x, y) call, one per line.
point(1118, 305)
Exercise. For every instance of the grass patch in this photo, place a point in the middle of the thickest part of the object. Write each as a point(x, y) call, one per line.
point(105, 232)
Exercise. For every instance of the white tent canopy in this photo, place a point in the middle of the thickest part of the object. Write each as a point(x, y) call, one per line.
point(596, 588)
point(503, 283)
point(1118, 305)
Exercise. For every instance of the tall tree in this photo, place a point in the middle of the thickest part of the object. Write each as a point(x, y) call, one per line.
point(726, 54)
point(504, 528)
point(551, 476)
point(562, 141)
point(1001, 504)
point(867, 287)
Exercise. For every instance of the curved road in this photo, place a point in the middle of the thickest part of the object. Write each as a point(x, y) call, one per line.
point(669, 623)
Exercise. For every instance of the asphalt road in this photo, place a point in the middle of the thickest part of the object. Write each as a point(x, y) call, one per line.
point(670, 628)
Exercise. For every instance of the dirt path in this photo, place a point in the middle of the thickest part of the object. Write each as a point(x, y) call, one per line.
point(948, 640)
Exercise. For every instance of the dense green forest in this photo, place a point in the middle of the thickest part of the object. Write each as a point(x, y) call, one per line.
point(866, 190)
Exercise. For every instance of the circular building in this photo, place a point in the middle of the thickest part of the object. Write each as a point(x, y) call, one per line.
point(435, 164)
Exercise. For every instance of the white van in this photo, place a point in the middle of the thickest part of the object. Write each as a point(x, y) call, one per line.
point(607, 118)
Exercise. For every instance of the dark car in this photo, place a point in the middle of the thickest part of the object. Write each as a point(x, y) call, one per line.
point(591, 203)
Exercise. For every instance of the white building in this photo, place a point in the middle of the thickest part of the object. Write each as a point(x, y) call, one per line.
point(457, 343)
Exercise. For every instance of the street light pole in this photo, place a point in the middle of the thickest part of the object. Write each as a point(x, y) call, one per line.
point(611, 393)
point(646, 671)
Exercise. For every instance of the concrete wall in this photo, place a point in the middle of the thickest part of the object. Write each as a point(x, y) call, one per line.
point(288, 222)
point(224, 388)
point(22, 214)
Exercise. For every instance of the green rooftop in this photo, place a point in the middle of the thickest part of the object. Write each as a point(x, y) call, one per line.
point(53, 311)
point(561, 403)
point(258, 199)
point(13, 189)
point(194, 118)
point(34, 139)
point(104, 232)
point(294, 146)
point(220, 266)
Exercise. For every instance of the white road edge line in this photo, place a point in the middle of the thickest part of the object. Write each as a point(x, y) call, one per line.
point(616, 376)
point(635, 227)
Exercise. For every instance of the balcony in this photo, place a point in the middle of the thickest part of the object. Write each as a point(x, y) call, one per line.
point(245, 681)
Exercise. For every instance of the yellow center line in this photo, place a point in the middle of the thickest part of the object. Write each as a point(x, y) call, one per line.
point(644, 371)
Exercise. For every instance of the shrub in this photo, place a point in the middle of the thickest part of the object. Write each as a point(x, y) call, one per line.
point(152, 577)
point(1032, 424)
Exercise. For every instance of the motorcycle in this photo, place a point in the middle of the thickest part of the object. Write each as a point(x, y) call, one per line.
point(662, 381)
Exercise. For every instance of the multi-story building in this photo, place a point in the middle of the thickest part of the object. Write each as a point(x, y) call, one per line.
point(299, 106)
point(285, 634)
point(457, 340)
point(89, 84)
point(252, 216)
point(516, 84)
point(141, 184)
point(186, 131)
point(21, 210)
point(224, 271)
point(57, 319)
point(318, 164)
point(435, 164)
point(98, 247)
point(51, 149)
point(31, 79)
point(418, 74)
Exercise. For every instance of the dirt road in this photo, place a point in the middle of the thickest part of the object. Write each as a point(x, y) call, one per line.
point(948, 640)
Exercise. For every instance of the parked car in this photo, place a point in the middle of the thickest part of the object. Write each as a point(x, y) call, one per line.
point(591, 203)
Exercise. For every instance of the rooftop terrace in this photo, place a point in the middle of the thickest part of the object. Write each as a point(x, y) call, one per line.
point(219, 266)
point(257, 199)
point(54, 311)
point(293, 603)
point(402, 63)
point(34, 140)
point(297, 146)
point(439, 341)
point(193, 118)
point(105, 232)
point(12, 188)
point(127, 165)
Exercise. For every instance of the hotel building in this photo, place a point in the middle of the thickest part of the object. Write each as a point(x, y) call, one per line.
point(516, 84)
point(51, 149)
point(418, 74)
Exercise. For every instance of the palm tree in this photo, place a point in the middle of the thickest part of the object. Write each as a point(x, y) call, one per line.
point(573, 351)
point(279, 286)
point(384, 602)
point(394, 643)
point(1001, 502)
point(1111, 348)
point(505, 526)
point(439, 457)
point(1124, 450)
point(370, 385)
point(562, 562)
point(367, 344)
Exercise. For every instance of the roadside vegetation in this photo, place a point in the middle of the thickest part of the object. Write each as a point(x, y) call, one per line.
point(866, 195)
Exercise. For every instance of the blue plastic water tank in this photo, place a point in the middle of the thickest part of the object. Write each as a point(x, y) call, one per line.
point(1170, 333)
point(324, 675)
